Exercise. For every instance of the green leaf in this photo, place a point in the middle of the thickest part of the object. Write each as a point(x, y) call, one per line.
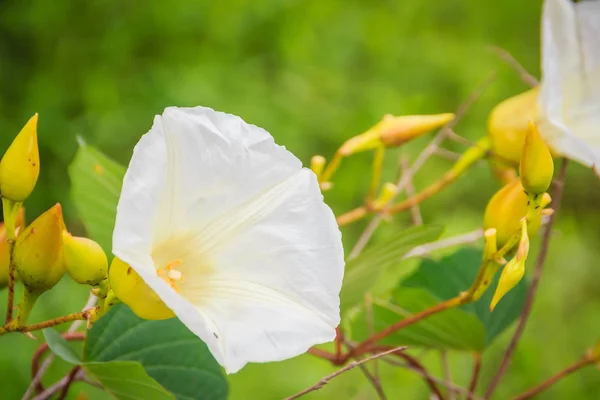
point(452, 329)
point(449, 276)
point(362, 272)
point(60, 346)
point(95, 187)
point(127, 380)
point(167, 350)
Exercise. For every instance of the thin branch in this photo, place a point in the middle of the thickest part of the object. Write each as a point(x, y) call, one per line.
point(584, 362)
point(414, 363)
point(37, 378)
point(465, 238)
point(348, 367)
point(374, 380)
point(37, 356)
point(527, 306)
point(366, 345)
point(447, 154)
point(437, 380)
point(447, 372)
point(475, 375)
point(70, 379)
point(415, 211)
point(46, 394)
point(360, 212)
point(514, 64)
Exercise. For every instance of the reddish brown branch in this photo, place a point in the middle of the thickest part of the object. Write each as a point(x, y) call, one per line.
point(414, 363)
point(475, 375)
point(366, 346)
point(39, 353)
point(584, 362)
point(69, 381)
point(527, 306)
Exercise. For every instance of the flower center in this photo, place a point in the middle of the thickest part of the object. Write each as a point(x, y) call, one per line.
point(170, 274)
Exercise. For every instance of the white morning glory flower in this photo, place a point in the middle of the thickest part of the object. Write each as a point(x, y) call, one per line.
point(570, 89)
point(233, 235)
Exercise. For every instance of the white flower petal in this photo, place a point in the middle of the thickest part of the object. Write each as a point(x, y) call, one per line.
point(277, 275)
point(570, 89)
point(259, 253)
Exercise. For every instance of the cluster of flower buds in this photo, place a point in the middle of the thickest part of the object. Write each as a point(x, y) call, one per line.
point(391, 131)
point(41, 253)
point(514, 213)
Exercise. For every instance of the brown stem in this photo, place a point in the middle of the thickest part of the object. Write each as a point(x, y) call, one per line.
point(475, 375)
point(426, 193)
point(69, 381)
point(323, 354)
point(527, 306)
point(366, 346)
point(339, 339)
point(83, 315)
point(352, 216)
point(37, 356)
point(413, 362)
point(584, 362)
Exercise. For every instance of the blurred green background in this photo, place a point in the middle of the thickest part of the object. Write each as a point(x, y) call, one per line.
point(313, 73)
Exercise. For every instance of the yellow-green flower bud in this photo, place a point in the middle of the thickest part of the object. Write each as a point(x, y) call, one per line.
point(85, 260)
point(38, 253)
point(394, 131)
point(536, 168)
point(20, 165)
point(5, 247)
point(508, 123)
point(131, 289)
point(505, 210)
point(514, 270)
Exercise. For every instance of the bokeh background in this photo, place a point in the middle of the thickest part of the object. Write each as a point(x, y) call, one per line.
point(313, 73)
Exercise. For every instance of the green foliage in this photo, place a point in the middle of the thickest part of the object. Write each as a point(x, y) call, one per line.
point(363, 271)
point(452, 329)
point(125, 380)
point(95, 186)
point(60, 346)
point(471, 327)
point(449, 276)
point(171, 354)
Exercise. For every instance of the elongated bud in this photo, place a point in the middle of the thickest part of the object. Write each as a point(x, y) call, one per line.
point(394, 131)
point(508, 124)
point(514, 270)
point(536, 168)
point(317, 163)
point(131, 289)
point(505, 210)
point(20, 165)
point(85, 260)
point(38, 253)
point(5, 247)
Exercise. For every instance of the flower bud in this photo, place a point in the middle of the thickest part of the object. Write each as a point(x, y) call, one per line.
point(505, 210)
point(394, 131)
point(131, 289)
point(508, 124)
point(5, 247)
point(38, 253)
point(514, 270)
point(536, 168)
point(84, 259)
point(20, 165)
